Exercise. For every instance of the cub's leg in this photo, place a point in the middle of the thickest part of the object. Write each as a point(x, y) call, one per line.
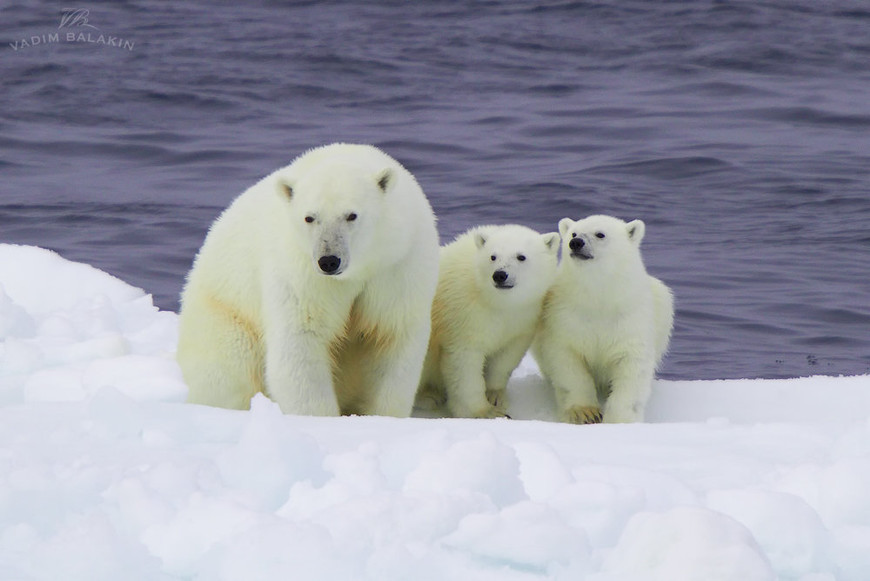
point(499, 368)
point(572, 383)
point(466, 388)
point(631, 387)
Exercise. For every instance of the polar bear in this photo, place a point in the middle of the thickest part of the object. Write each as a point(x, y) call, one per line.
point(606, 323)
point(315, 287)
point(491, 286)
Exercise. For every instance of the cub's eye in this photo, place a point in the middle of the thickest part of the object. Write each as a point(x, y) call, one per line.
point(600, 235)
point(309, 219)
point(521, 257)
point(351, 217)
point(573, 235)
point(492, 257)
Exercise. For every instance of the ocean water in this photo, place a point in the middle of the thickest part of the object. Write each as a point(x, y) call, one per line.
point(738, 131)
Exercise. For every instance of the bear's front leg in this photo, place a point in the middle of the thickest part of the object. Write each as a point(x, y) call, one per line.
point(573, 385)
point(298, 373)
point(631, 387)
point(466, 390)
point(394, 375)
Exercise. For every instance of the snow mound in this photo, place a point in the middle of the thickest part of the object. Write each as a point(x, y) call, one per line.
point(105, 474)
point(69, 329)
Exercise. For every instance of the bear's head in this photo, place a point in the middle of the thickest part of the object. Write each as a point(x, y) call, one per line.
point(515, 261)
point(600, 240)
point(334, 211)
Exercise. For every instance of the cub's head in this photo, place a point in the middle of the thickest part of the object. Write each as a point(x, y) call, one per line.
point(515, 261)
point(334, 211)
point(600, 239)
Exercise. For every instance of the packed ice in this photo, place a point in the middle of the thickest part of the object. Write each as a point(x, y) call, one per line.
point(106, 474)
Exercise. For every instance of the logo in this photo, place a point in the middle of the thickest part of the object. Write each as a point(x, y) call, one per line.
point(75, 28)
point(75, 17)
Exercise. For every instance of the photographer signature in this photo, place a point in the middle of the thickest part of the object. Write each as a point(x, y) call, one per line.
point(75, 17)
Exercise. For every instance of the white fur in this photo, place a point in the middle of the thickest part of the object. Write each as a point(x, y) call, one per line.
point(480, 329)
point(606, 323)
point(259, 314)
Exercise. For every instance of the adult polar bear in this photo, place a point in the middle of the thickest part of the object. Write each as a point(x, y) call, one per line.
point(315, 288)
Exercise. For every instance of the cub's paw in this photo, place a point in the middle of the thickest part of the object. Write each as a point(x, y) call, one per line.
point(622, 416)
point(490, 412)
point(581, 414)
point(498, 398)
point(430, 399)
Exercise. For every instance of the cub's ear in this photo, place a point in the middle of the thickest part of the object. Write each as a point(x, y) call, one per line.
point(384, 179)
point(636, 230)
point(479, 239)
point(564, 225)
point(551, 241)
point(285, 188)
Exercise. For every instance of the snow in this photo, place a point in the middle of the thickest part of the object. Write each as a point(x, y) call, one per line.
point(106, 474)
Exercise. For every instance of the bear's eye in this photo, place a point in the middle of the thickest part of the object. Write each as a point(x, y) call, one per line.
point(351, 217)
point(521, 257)
point(492, 257)
point(600, 235)
point(309, 219)
point(573, 235)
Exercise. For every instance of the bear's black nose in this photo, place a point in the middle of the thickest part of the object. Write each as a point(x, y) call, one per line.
point(499, 276)
point(329, 264)
point(576, 244)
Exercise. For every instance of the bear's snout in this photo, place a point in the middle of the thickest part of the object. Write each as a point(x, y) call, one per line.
point(500, 278)
point(579, 248)
point(329, 264)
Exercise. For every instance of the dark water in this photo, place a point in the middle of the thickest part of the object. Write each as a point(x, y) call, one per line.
point(739, 131)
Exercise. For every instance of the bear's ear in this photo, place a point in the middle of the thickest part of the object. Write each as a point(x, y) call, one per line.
point(564, 225)
point(384, 179)
point(551, 241)
point(479, 239)
point(285, 189)
point(636, 230)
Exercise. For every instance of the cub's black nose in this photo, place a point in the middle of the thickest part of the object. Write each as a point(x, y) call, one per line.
point(576, 244)
point(499, 276)
point(329, 264)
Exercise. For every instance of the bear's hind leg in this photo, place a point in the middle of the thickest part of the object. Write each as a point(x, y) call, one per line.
point(220, 356)
point(299, 372)
point(430, 397)
point(466, 389)
point(499, 368)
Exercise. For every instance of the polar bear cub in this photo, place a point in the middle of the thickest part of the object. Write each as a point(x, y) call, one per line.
point(491, 287)
point(606, 323)
point(315, 287)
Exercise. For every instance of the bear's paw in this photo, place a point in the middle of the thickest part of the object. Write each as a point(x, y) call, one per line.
point(498, 399)
point(490, 412)
point(581, 414)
